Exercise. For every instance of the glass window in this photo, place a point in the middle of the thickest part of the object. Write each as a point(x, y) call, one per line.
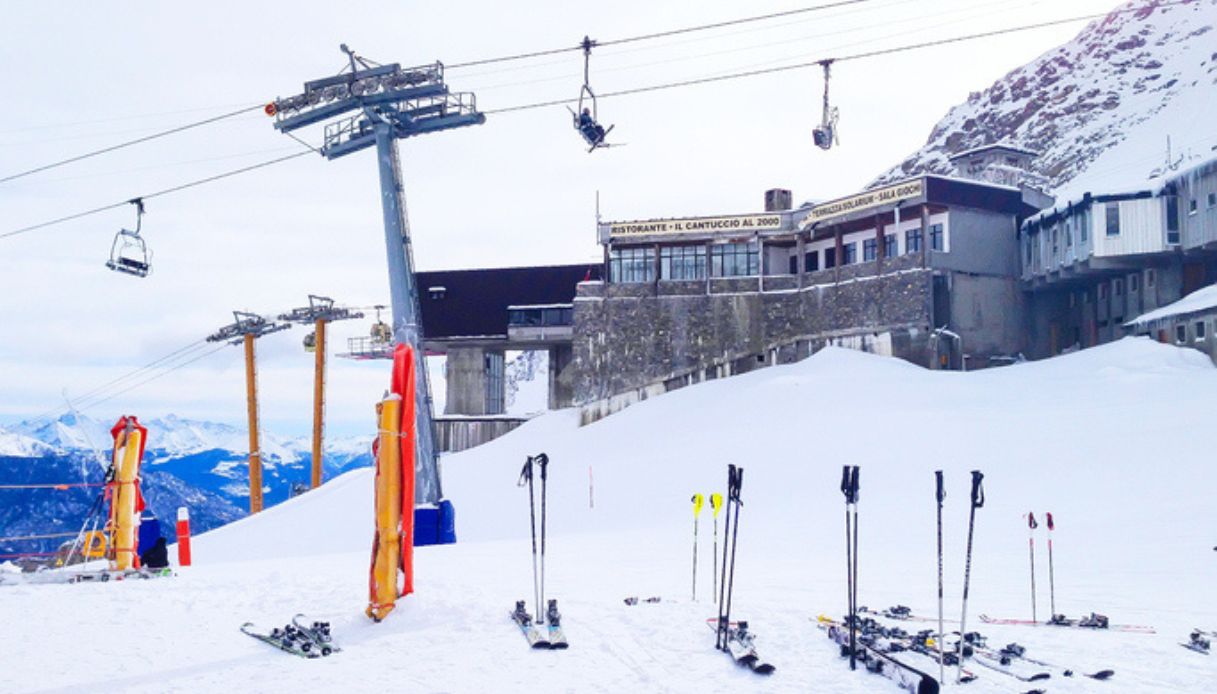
point(830, 257)
point(936, 237)
point(1149, 278)
point(629, 265)
point(1102, 291)
point(870, 249)
point(1181, 333)
point(1117, 287)
point(811, 261)
point(851, 254)
point(734, 260)
point(1113, 219)
point(1133, 283)
point(890, 250)
point(1212, 199)
point(1068, 235)
point(1191, 206)
point(1083, 226)
point(1054, 241)
point(912, 241)
point(1198, 328)
point(682, 263)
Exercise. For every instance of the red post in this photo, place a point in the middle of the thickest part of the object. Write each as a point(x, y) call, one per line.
point(183, 536)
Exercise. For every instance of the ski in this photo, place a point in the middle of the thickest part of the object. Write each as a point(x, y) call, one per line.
point(1198, 642)
point(1006, 666)
point(557, 637)
point(1013, 650)
point(318, 633)
point(287, 641)
point(741, 646)
point(634, 600)
point(1094, 621)
point(522, 619)
point(879, 662)
point(71, 577)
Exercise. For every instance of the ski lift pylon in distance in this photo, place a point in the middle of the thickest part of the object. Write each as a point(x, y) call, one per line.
point(128, 253)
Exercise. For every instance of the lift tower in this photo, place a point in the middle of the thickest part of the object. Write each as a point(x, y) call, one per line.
point(320, 312)
point(247, 327)
point(387, 103)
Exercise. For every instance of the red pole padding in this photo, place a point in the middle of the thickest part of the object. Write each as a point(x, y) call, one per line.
point(183, 537)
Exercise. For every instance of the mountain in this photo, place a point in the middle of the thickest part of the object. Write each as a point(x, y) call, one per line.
point(201, 465)
point(1100, 108)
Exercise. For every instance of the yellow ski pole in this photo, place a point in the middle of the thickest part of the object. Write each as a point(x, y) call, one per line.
point(698, 500)
point(716, 504)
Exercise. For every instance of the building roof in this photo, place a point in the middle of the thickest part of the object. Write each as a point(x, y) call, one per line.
point(995, 146)
point(474, 303)
point(1204, 299)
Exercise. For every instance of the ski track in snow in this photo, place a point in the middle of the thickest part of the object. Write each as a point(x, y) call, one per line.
point(1115, 441)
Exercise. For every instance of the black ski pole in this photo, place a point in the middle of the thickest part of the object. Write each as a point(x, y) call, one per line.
point(941, 496)
point(849, 487)
point(735, 480)
point(543, 463)
point(978, 500)
point(1031, 526)
point(1051, 579)
point(526, 477)
point(721, 629)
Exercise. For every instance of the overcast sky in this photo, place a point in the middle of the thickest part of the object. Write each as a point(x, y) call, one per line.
point(519, 190)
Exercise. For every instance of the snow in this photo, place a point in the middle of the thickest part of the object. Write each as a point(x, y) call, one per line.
point(1112, 440)
point(1204, 299)
point(21, 446)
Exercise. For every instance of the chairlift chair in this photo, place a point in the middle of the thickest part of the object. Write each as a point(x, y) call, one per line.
point(128, 253)
point(585, 117)
point(381, 332)
point(825, 134)
point(310, 342)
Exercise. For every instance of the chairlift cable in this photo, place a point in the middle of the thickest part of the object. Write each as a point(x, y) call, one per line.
point(95, 404)
point(129, 143)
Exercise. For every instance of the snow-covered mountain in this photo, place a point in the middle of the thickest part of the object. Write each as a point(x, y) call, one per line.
point(201, 465)
point(1100, 107)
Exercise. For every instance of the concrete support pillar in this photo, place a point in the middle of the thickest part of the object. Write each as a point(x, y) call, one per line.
point(475, 381)
point(561, 377)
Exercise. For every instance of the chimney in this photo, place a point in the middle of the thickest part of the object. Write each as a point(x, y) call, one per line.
point(778, 200)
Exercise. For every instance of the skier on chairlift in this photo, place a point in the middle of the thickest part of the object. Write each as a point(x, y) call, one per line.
point(592, 131)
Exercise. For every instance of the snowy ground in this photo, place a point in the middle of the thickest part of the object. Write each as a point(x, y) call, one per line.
point(1115, 441)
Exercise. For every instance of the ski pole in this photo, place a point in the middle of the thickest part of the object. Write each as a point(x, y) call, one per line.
point(735, 480)
point(941, 496)
point(526, 477)
point(720, 634)
point(543, 463)
point(978, 500)
point(716, 505)
point(1051, 579)
point(698, 499)
point(1031, 526)
point(849, 487)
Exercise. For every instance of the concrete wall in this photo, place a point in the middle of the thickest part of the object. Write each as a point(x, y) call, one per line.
point(472, 388)
point(990, 314)
point(630, 337)
point(980, 242)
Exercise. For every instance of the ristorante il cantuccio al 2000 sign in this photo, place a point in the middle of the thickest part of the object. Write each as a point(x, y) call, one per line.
point(697, 225)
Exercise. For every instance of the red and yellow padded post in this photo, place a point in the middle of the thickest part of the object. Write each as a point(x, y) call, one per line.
point(392, 570)
point(126, 502)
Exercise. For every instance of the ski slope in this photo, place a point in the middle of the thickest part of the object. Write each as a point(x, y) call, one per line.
point(1115, 441)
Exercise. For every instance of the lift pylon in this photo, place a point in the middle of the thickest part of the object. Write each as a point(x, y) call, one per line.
point(320, 311)
point(246, 328)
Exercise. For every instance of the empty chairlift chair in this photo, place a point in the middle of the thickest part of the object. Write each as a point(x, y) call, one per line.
point(129, 254)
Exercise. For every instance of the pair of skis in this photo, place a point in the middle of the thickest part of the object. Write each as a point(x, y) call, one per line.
point(1095, 622)
point(1199, 641)
point(734, 638)
point(876, 657)
point(555, 637)
point(304, 640)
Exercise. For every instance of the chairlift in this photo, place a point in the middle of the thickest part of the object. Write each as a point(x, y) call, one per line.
point(129, 254)
point(825, 135)
point(381, 332)
point(310, 342)
point(586, 117)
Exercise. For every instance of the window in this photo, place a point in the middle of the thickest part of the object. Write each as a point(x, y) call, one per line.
point(1068, 235)
point(851, 254)
point(1149, 278)
point(1055, 245)
point(811, 261)
point(870, 248)
point(1212, 200)
point(1028, 249)
point(1117, 287)
point(1191, 206)
point(629, 265)
point(890, 250)
point(1181, 333)
point(1172, 220)
point(912, 241)
point(1133, 283)
point(1198, 329)
point(1102, 291)
point(1113, 218)
point(830, 258)
point(936, 237)
point(734, 260)
point(682, 263)
point(1083, 225)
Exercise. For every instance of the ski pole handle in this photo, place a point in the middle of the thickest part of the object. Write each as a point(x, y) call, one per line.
point(525, 473)
point(942, 492)
point(1049, 516)
point(978, 490)
point(716, 503)
point(849, 483)
point(1031, 521)
point(735, 480)
point(542, 461)
point(698, 500)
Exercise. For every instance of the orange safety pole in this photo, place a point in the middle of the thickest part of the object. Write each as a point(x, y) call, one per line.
point(183, 536)
point(318, 401)
point(125, 500)
point(255, 452)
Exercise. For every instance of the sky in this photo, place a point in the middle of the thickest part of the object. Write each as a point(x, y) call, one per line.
point(519, 190)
